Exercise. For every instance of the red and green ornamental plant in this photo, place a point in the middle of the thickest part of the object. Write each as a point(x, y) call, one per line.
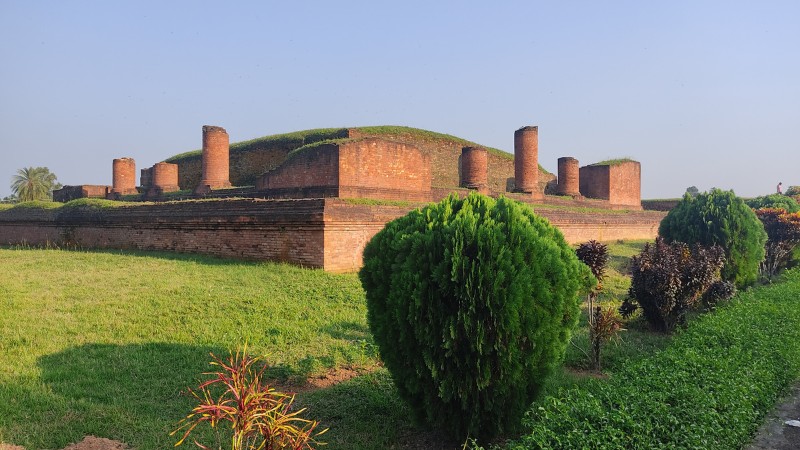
point(260, 417)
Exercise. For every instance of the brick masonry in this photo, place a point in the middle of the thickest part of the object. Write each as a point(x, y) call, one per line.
point(165, 177)
point(526, 160)
point(319, 233)
point(568, 176)
point(216, 158)
point(475, 169)
point(123, 176)
point(359, 168)
point(620, 183)
point(68, 193)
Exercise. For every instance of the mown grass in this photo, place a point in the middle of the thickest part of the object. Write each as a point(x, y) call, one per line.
point(104, 343)
point(709, 388)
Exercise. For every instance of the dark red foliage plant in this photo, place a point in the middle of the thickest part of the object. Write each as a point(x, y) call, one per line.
point(783, 235)
point(669, 279)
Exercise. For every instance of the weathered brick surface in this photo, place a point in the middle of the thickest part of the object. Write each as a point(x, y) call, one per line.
point(146, 178)
point(475, 168)
point(247, 166)
point(620, 184)
point(361, 168)
point(568, 176)
point(329, 233)
point(216, 159)
point(123, 176)
point(314, 169)
point(68, 193)
point(526, 160)
point(165, 177)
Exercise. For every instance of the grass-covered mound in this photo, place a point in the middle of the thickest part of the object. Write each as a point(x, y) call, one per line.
point(710, 388)
point(249, 159)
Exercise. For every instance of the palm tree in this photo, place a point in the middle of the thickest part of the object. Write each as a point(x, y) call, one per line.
point(34, 183)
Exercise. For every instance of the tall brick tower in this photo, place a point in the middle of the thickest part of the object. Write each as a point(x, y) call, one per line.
point(474, 169)
point(568, 176)
point(123, 176)
point(526, 160)
point(216, 159)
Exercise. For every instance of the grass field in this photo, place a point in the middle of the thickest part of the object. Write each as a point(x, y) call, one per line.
point(105, 344)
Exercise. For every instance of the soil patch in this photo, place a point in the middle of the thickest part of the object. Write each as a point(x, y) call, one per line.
point(325, 380)
point(774, 434)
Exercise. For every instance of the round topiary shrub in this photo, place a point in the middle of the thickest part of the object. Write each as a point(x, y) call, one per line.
point(775, 201)
point(472, 303)
point(721, 218)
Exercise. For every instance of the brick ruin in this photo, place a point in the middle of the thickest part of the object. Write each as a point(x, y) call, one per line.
point(216, 159)
point(123, 176)
point(289, 174)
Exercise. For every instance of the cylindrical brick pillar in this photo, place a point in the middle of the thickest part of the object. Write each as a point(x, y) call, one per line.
point(216, 160)
point(124, 176)
point(165, 177)
point(474, 168)
point(526, 160)
point(146, 177)
point(568, 176)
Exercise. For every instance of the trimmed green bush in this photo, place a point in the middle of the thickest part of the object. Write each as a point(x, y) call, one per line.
point(776, 201)
point(721, 218)
point(472, 303)
point(710, 389)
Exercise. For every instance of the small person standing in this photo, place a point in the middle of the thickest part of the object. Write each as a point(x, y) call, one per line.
point(780, 191)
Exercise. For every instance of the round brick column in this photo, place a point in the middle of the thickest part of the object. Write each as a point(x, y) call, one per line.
point(216, 158)
point(526, 160)
point(123, 176)
point(474, 168)
point(568, 176)
point(165, 176)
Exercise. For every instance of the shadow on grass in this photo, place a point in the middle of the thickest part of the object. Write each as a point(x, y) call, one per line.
point(132, 393)
point(365, 413)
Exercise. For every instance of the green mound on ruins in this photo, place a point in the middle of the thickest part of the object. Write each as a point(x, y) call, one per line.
point(249, 159)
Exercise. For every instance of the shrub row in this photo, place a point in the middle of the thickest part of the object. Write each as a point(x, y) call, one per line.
point(709, 389)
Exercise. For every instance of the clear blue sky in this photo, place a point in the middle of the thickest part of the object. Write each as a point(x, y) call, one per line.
point(702, 93)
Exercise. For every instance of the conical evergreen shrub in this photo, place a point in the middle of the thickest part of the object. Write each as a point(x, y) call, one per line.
point(472, 303)
point(720, 218)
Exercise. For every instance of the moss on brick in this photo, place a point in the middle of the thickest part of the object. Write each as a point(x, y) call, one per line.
point(613, 162)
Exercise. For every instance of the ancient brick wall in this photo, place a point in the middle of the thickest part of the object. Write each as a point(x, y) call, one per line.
point(216, 159)
point(310, 170)
point(620, 183)
point(123, 176)
point(380, 169)
point(568, 176)
point(361, 168)
point(526, 160)
point(68, 193)
point(165, 177)
point(329, 233)
point(474, 168)
point(289, 230)
point(146, 178)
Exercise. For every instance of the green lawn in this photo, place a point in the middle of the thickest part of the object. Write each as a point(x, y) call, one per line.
point(105, 343)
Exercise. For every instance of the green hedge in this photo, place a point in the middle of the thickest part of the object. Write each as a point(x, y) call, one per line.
point(710, 389)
